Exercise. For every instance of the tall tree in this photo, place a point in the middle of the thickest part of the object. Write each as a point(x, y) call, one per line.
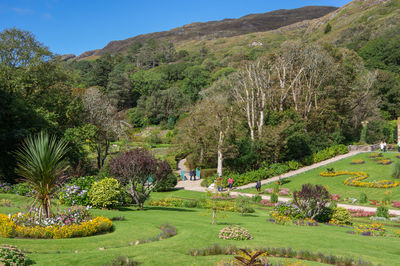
point(19, 50)
point(140, 172)
point(252, 89)
point(102, 114)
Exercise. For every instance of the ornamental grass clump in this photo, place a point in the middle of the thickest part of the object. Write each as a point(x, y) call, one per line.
point(234, 232)
point(11, 255)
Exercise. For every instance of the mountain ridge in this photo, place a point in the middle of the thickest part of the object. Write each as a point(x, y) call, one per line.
point(228, 27)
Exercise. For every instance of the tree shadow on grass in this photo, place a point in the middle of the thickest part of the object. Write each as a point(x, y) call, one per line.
point(226, 223)
point(151, 208)
point(250, 215)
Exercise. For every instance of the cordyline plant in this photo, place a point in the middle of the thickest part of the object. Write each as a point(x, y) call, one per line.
point(41, 165)
point(139, 172)
point(311, 199)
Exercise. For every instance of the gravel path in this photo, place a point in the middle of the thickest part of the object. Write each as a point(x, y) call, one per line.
point(195, 185)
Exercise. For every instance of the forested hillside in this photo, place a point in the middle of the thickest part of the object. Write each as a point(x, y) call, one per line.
point(240, 102)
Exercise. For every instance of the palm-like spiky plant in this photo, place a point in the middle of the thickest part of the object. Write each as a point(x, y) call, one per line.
point(40, 163)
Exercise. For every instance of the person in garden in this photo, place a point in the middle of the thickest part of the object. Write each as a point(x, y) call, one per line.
point(194, 175)
point(384, 146)
point(258, 186)
point(230, 182)
point(381, 145)
point(191, 174)
point(398, 146)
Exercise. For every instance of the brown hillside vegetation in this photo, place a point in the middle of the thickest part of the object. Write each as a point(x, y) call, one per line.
point(224, 28)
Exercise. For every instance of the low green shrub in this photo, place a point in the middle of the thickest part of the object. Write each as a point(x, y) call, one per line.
point(205, 173)
point(256, 198)
point(325, 154)
point(122, 261)
point(396, 170)
point(382, 211)
point(242, 204)
point(341, 216)
point(167, 184)
point(11, 255)
point(105, 193)
point(274, 198)
point(363, 198)
point(278, 168)
point(22, 189)
point(248, 177)
point(294, 165)
point(325, 215)
point(75, 192)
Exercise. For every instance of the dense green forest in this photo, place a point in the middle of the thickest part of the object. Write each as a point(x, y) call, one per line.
point(236, 108)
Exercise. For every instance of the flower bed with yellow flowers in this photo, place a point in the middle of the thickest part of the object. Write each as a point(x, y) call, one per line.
point(357, 161)
point(374, 229)
point(10, 229)
point(278, 218)
point(356, 178)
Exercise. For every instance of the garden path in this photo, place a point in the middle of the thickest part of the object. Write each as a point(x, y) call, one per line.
point(187, 184)
point(196, 185)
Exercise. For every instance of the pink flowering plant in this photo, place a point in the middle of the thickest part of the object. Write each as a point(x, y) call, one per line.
point(11, 255)
point(234, 232)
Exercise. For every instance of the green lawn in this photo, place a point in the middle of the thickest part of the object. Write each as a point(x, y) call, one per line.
point(195, 231)
point(335, 184)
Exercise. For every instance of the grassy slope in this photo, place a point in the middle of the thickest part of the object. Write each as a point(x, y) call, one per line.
point(195, 231)
point(353, 24)
point(335, 184)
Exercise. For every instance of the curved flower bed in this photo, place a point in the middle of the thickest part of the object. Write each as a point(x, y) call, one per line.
point(356, 177)
point(9, 228)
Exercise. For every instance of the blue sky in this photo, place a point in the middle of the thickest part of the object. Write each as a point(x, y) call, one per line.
point(75, 26)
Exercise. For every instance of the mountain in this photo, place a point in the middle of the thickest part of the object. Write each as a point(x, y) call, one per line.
point(224, 28)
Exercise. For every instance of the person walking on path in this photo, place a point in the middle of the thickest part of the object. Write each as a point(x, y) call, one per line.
point(194, 175)
point(230, 183)
point(258, 186)
point(381, 145)
point(384, 146)
point(191, 174)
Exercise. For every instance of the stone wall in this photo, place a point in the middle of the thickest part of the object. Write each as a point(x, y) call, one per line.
point(373, 147)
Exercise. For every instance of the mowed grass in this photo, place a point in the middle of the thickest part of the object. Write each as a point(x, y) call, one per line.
point(195, 231)
point(335, 184)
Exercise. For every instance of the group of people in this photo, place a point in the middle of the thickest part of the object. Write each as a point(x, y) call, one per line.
point(383, 146)
point(192, 175)
point(220, 186)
